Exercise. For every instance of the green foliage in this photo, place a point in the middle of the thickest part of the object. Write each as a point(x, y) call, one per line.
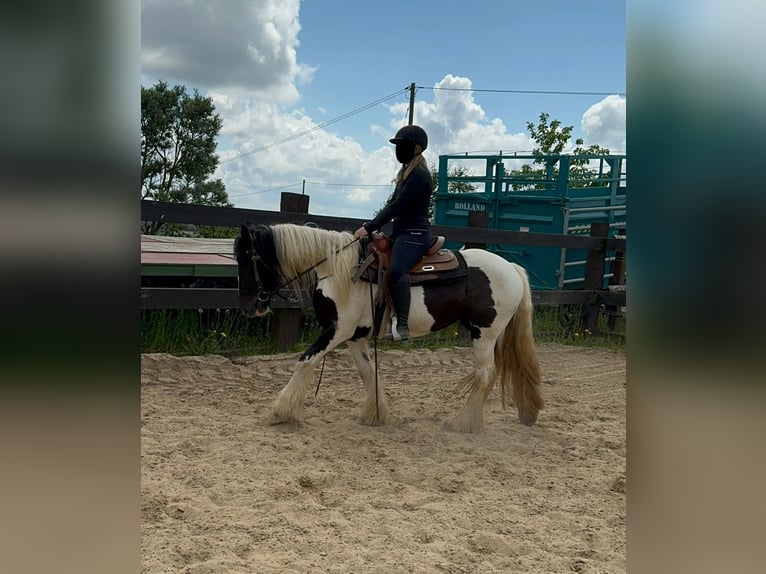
point(181, 230)
point(551, 139)
point(178, 143)
point(563, 324)
point(452, 186)
point(229, 333)
point(199, 332)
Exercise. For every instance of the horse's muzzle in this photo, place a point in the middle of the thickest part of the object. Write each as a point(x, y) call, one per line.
point(253, 306)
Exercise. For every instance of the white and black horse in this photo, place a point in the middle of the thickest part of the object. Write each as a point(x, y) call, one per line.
point(493, 301)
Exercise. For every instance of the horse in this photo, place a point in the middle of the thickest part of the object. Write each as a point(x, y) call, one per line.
point(493, 300)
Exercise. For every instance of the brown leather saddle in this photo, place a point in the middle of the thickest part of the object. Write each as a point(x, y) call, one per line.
point(437, 263)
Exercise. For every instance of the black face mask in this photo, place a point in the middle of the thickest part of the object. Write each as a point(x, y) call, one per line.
point(405, 151)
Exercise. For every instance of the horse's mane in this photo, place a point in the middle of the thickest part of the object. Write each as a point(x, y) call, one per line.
point(300, 247)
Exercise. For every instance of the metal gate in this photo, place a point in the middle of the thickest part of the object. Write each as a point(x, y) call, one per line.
point(560, 194)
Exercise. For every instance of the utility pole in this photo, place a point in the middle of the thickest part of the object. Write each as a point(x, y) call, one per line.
point(412, 101)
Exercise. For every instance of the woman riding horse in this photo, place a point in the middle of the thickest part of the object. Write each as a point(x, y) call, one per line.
point(409, 210)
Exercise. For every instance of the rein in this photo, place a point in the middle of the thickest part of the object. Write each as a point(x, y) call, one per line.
point(375, 347)
point(266, 295)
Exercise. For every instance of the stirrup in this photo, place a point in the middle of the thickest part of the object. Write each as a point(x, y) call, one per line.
point(395, 335)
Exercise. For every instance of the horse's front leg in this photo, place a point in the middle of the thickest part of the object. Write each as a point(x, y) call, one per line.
point(374, 409)
point(288, 406)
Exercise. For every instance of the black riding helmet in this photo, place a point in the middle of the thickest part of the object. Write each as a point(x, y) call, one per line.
point(412, 134)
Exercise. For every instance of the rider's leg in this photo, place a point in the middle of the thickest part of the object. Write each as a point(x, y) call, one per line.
point(408, 249)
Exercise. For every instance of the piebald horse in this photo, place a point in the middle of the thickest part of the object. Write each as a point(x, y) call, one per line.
point(492, 300)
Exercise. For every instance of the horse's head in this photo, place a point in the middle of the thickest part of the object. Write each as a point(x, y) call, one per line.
point(257, 269)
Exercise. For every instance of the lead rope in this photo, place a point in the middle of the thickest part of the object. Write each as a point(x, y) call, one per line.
point(284, 283)
point(375, 350)
point(374, 345)
point(320, 376)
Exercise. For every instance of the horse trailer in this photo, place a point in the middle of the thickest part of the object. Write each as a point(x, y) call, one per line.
point(561, 194)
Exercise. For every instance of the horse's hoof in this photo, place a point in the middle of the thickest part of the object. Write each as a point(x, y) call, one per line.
point(528, 419)
point(376, 422)
point(278, 420)
point(451, 425)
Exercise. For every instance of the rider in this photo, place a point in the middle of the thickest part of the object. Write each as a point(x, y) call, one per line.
point(409, 210)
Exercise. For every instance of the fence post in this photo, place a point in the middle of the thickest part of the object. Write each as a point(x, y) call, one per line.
point(618, 278)
point(295, 202)
point(478, 219)
point(594, 276)
point(286, 323)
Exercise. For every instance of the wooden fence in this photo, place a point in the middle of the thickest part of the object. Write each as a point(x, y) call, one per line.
point(592, 298)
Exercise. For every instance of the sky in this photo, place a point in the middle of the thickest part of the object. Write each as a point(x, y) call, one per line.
point(312, 90)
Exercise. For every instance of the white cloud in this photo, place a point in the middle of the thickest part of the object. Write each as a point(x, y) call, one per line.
point(454, 122)
point(359, 195)
point(244, 55)
point(604, 124)
point(250, 164)
point(248, 44)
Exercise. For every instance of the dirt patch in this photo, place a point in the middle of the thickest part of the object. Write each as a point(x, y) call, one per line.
point(222, 491)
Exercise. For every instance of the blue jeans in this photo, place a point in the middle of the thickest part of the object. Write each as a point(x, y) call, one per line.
point(409, 247)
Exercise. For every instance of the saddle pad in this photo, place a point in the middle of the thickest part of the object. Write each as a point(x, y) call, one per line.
point(453, 267)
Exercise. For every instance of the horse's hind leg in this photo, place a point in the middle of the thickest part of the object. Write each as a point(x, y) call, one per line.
point(470, 419)
point(374, 411)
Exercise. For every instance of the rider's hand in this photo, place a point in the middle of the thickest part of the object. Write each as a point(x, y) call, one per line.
point(360, 233)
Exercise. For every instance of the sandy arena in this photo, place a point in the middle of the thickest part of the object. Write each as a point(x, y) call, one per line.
point(225, 492)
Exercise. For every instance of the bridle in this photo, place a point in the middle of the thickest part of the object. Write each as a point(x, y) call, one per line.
point(264, 296)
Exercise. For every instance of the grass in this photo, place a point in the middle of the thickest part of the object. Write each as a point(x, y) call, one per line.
point(562, 324)
point(229, 333)
point(201, 332)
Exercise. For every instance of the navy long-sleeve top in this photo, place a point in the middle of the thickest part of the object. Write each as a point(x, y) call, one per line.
point(409, 205)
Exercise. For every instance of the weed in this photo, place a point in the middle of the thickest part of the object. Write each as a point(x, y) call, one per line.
point(228, 332)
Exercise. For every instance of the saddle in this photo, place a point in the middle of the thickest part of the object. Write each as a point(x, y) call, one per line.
point(437, 263)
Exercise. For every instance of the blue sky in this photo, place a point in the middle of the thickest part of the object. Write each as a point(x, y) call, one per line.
point(275, 68)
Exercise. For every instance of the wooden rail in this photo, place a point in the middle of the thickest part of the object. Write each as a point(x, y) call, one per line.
point(287, 311)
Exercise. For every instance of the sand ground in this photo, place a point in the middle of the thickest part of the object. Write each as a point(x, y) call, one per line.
point(223, 491)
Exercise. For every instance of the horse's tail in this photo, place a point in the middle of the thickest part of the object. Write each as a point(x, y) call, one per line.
point(516, 359)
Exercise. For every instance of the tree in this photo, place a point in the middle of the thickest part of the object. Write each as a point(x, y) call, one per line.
point(552, 139)
point(452, 186)
point(178, 142)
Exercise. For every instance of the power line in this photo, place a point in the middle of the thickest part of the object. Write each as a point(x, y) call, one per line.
point(266, 190)
point(411, 88)
point(312, 183)
point(319, 126)
point(350, 184)
point(536, 92)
